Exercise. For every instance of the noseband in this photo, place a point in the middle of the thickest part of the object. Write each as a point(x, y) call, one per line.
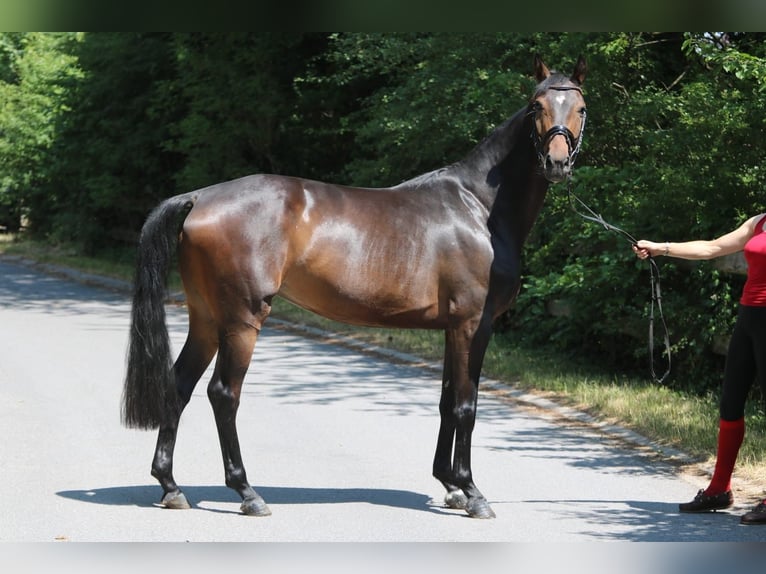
point(573, 143)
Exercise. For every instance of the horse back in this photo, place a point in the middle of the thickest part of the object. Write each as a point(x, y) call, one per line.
point(403, 256)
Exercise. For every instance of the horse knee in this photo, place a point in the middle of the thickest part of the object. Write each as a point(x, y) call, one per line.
point(465, 414)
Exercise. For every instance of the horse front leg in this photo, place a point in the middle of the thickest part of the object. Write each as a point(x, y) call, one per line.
point(442, 466)
point(467, 357)
point(224, 393)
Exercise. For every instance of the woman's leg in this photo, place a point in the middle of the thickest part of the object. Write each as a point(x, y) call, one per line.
point(738, 378)
point(730, 436)
point(758, 514)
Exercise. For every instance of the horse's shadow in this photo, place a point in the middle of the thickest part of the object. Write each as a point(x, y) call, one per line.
point(149, 495)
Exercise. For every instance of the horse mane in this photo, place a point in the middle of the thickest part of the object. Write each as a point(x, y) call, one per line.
point(428, 177)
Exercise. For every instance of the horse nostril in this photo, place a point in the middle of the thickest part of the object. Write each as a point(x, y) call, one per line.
point(558, 164)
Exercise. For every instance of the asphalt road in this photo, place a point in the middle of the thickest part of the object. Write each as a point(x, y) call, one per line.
point(338, 442)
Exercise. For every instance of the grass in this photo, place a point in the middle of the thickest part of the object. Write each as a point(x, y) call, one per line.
point(118, 265)
point(668, 417)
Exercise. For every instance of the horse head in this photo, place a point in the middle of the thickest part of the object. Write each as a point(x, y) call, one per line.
point(558, 109)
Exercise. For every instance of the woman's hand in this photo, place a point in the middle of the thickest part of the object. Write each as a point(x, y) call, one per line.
point(644, 249)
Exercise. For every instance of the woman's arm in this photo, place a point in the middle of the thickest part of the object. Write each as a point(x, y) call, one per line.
point(700, 249)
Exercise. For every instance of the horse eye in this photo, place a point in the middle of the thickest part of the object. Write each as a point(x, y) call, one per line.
point(582, 111)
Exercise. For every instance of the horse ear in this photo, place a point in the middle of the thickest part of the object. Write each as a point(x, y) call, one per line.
point(541, 70)
point(581, 68)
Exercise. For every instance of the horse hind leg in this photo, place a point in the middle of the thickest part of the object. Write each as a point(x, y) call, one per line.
point(235, 352)
point(197, 352)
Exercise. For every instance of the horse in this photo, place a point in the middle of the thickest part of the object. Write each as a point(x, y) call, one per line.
point(439, 251)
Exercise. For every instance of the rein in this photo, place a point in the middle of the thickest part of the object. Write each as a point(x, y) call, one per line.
point(654, 273)
point(573, 144)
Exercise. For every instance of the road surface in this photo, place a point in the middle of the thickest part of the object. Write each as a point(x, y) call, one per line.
point(338, 442)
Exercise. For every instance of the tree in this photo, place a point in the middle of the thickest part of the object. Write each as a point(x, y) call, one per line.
point(239, 100)
point(35, 70)
point(671, 154)
point(109, 166)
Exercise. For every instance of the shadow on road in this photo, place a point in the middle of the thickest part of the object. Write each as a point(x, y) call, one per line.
point(149, 495)
point(645, 521)
point(26, 288)
point(642, 521)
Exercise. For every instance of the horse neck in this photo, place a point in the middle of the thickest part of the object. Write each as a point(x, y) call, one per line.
point(503, 173)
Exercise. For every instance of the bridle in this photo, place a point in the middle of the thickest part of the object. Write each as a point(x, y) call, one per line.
point(573, 143)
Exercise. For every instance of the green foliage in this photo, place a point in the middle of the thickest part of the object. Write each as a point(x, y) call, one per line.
point(109, 167)
point(676, 161)
point(96, 128)
point(35, 70)
point(446, 91)
point(238, 98)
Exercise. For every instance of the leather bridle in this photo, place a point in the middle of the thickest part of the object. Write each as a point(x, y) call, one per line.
point(573, 142)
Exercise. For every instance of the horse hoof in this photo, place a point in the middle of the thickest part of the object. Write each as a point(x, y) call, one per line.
point(255, 507)
point(175, 500)
point(479, 508)
point(456, 499)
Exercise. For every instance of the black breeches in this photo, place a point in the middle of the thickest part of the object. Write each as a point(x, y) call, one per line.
point(745, 360)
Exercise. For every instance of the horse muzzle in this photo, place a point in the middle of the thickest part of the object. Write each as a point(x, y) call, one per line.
point(556, 152)
point(557, 168)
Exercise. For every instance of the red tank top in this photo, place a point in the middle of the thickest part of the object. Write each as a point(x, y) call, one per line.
point(754, 292)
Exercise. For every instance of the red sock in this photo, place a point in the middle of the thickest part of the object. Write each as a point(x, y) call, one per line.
point(730, 436)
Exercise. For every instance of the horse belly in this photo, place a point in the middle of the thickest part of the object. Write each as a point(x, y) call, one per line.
point(368, 307)
point(365, 291)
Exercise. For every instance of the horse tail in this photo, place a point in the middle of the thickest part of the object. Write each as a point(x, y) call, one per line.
point(149, 396)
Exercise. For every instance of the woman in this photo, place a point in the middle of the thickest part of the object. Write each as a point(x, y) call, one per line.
point(745, 359)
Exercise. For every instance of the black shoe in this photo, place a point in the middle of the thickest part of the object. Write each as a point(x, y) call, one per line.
point(756, 516)
point(705, 503)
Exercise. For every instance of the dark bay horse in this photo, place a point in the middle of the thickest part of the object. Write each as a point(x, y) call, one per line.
point(440, 251)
